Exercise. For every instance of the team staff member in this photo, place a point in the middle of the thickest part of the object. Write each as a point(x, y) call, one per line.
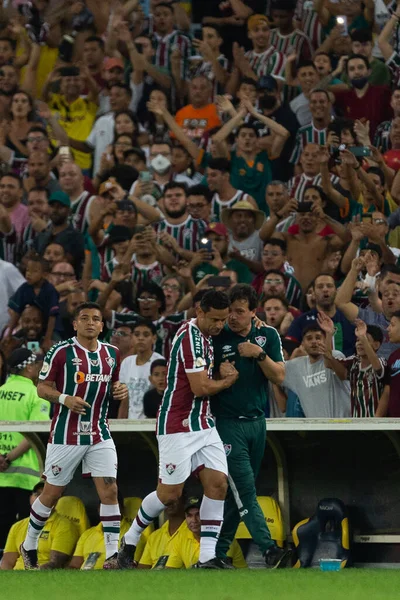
point(185, 548)
point(239, 411)
point(19, 465)
point(158, 545)
point(56, 542)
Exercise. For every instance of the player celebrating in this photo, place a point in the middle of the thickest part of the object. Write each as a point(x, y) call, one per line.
point(76, 376)
point(187, 438)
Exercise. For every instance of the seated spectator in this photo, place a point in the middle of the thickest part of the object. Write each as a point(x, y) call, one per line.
point(36, 291)
point(152, 398)
point(90, 552)
point(185, 548)
point(365, 371)
point(158, 545)
point(321, 392)
point(325, 297)
point(56, 543)
point(135, 370)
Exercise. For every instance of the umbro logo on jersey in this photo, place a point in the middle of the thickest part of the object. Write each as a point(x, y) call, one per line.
point(56, 470)
point(226, 348)
point(80, 377)
point(170, 468)
point(76, 361)
point(94, 362)
point(110, 361)
point(261, 340)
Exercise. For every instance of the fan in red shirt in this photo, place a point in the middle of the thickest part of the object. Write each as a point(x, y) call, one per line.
point(363, 101)
point(389, 404)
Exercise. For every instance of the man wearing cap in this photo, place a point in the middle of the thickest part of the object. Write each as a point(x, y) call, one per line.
point(218, 234)
point(263, 59)
point(61, 231)
point(19, 465)
point(225, 195)
point(244, 222)
point(184, 550)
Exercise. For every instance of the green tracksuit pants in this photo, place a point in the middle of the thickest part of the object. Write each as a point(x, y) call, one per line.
point(244, 442)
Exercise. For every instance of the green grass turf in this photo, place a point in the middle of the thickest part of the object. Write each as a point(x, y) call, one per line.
point(350, 584)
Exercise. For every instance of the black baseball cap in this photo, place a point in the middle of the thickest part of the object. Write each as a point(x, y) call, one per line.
point(192, 502)
point(267, 83)
point(23, 357)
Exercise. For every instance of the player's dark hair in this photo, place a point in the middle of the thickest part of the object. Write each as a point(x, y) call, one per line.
point(42, 261)
point(160, 362)
point(277, 242)
point(145, 323)
point(86, 306)
point(199, 295)
point(312, 327)
point(314, 281)
point(214, 299)
point(200, 190)
point(243, 291)
point(376, 333)
point(280, 298)
point(220, 164)
point(153, 288)
point(96, 38)
point(247, 126)
point(360, 56)
point(305, 63)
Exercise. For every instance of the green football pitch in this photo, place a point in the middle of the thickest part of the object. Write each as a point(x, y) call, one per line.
point(350, 584)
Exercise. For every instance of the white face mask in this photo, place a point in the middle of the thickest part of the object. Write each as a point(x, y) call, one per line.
point(160, 164)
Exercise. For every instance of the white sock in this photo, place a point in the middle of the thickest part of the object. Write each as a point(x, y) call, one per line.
point(150, 509)
point(37, 520)
point(211, 516)
point(110, 518)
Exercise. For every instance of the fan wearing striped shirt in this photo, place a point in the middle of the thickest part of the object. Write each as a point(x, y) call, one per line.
point(316, 131)
point(284, 37)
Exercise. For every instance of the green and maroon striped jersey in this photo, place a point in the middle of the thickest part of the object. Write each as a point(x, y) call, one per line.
point(181, 411)
point(217, 205)
point(89, 375)
point(269, 62)
point(307, 135)
point(187, 234)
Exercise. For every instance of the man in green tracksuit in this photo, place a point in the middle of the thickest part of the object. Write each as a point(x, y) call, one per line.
point(240, 417)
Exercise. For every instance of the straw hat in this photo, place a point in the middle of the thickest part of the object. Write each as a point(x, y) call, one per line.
point(226, 213)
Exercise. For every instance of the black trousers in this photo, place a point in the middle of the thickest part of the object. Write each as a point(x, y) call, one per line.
point(14, 505)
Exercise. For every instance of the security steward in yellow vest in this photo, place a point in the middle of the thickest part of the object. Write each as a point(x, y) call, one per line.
point(19, 465)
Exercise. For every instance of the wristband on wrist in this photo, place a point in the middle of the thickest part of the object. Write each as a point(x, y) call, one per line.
point(61, 398)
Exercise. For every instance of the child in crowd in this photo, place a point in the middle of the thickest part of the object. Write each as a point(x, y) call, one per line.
point(37, 291)
point(152, 398)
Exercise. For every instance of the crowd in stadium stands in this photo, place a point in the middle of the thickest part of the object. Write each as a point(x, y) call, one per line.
point(152, 150)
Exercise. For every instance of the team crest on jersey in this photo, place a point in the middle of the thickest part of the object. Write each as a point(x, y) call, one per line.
point(261, 340)
point(94, 362)
point(162, 333)
point(110, 361)
point(228, 449)
point(170, 468)
point(76, 361)
point(56, 470)
point(199, 362)
point(185, 423)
